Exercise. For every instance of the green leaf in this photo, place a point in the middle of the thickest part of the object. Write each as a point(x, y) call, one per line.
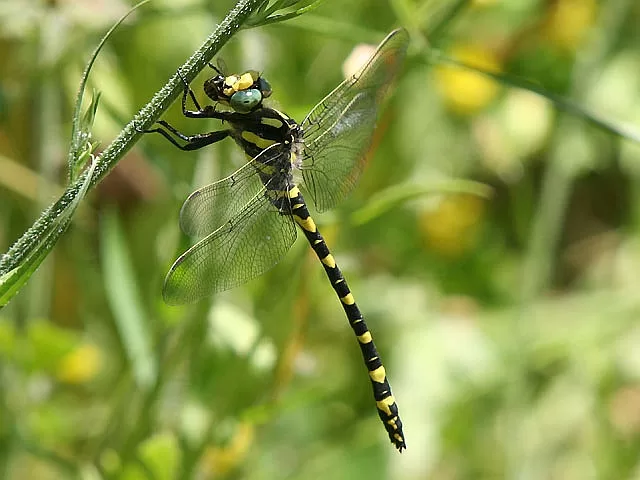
point(88, 147)
point(41, 244)
point(267, 16)
point(42, 241)
point(161, 454)
point(45, 345)
point(399, 194)
point(123, 295)
point(81, 126)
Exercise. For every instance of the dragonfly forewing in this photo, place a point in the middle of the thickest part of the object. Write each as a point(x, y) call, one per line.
point(348, 115)
point(333, 160)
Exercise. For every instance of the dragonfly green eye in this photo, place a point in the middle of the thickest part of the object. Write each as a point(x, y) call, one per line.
point(245, 100)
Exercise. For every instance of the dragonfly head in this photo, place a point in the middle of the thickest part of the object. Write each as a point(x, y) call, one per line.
point(243, 93)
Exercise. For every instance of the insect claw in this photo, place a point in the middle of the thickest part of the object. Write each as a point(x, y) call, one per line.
point(184, 80)
point(137, 128)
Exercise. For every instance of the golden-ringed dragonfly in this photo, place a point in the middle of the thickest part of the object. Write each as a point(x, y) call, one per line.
point(246, 221)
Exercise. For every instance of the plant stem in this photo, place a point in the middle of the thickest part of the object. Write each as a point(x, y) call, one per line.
point(131, 132)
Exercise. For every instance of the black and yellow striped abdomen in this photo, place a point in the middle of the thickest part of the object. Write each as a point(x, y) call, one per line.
point(385, 402)
point(262, 133)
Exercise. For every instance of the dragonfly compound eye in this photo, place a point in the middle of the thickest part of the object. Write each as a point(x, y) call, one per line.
point(264, 87)
point(245, 100)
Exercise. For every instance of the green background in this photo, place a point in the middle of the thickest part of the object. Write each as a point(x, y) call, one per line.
point(492, 245)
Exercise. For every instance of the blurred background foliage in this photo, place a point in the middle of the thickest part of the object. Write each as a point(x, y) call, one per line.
point(507, 315)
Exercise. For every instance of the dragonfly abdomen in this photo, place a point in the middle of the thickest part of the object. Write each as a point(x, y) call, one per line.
point(385, 402)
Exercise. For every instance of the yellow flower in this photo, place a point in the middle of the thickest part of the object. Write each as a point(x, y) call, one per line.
point(451, 227)
point(466, 92)
point(80, 365)
point(220, 461)
point(568, 22)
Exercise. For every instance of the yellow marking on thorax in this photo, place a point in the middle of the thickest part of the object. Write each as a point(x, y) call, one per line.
point(383, 405)
point(365, 337)
point(256, 140)
point(272, 122)
point(329, 261)
point(348, 299)
point(378, 375)
point(294, 192)
point(308, 224)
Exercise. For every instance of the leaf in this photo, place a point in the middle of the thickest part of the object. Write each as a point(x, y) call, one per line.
point(399, 194)
point(43, 242)
point(81, 126)
point(161, 455)
point(124, 298)
point(75, 167)
point(267, 16)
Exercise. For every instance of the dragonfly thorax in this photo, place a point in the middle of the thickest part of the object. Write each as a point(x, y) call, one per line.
point(263, 129)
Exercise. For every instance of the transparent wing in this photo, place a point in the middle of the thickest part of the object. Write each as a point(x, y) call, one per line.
point(209, 207)
point(339, 129)
point(243, 248)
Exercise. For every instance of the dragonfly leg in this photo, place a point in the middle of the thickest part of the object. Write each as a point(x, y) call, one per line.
point(216, 69)
point(188, 92)
point(208, 111)
point(192, 142)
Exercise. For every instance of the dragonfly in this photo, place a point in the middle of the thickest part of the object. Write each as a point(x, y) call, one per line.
point(247, 221)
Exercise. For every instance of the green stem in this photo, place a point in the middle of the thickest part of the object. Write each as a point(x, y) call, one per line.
point(131, 132)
